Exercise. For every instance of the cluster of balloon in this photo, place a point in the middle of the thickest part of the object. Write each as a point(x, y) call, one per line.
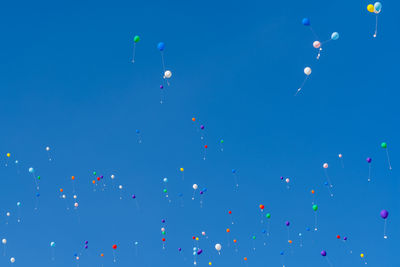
point(196, 249)
point(48, 153)
point(369, 160)
point(53, 250)
point(167, 74)
point(165, 189)
point(163, 233)
point(384, 215)
point(235, 178)
point(330, 185)
point(384, 146)
point(341, 159)
point(376, 9)
point(136, 39)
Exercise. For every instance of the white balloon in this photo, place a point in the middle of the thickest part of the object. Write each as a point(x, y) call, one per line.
point(120, 187)
point(218, 247)
point(12, 260)
point(112, 176)
point(307, 71)
point(4, 241)
point(195, 186)
point(47, 148)
point(167, 74)
point(8, 214)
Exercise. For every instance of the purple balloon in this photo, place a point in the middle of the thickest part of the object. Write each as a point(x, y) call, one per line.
point(179, 249)
point(86, 246)
point(369, 160)
point(161, 87)
point(384, 214)
point(323, 253)
point(287, 223)
point(201, 192)
point(86, 242)
point(133, 196)
point(281, 177)
point(345, 238)
point(202, 127)
point(163, 221)
point(199, 251)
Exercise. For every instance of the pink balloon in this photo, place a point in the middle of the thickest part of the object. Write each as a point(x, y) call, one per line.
point(317, 44)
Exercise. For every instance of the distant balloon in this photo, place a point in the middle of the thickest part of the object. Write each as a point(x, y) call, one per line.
point(325, 165)
point(384, 214)
point(306, 22)
point(195, 186)
point(369, 160)
point(52, 244)
point(307, 71)
point(384, 145)
point(31, 170)
point(371, 8)
point(317, 44)
point(136, 38)
point(161, 46)
point(12, 260)
point(4, 241)
point(218, 247)
point(315, 207)
point(287, 223)
point(335, 36)
point(378, 7)
point(323, 253)
point(114, 246)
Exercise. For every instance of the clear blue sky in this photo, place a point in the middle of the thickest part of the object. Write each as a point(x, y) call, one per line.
point(67, 82)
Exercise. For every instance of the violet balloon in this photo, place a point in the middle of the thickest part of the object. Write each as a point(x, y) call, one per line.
point(384, 214)
point(323, 253)
point(369, 160)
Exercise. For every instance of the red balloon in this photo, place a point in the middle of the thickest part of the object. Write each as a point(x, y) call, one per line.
point(163, 239)
point(261, 206)
point(114, 246)
point(230, 212)
point(338, 236)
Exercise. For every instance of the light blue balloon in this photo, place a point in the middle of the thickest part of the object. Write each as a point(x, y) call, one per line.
point(31, 170)
point(378, 7)
point(335, 36)
point(53, 244)
point(18, 204)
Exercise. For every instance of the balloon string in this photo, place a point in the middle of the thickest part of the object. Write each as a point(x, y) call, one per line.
point(315, 222)
point(387, 154)
point(134, 52)
point(328, 260)
point(369, 172)
point(384, 230)
point(301, 87)
point(376, 27)
point(162, 59)
point(315, 35)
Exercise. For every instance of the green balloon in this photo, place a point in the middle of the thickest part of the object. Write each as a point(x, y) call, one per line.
point(268, 215)
point(94, 173)
point(254, 237)
point(136, 38)
point(222, 141)
point(163, 232)
point(38, 177)
point(165, 190)
point(315, 207)
point(384, 145)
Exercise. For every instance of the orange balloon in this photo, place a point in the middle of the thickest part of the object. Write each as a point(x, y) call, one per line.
point(290, 241)
point(228, 230)
point(245, 258)
point(193, 119)
point(101, 255)
point(93, 182)
point(312, 191)
point(73, 177)
point(261, 206)
point(61, 190)
point(234, 240)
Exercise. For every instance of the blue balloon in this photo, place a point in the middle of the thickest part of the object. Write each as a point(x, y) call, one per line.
point(282, 252)
point(378, 7)
point(335, 36)
point(37, 194)
point(306, 22)
point(233, 171)
point(137, 131)
point(263, 231)
point(161, 46)
point(308, 229)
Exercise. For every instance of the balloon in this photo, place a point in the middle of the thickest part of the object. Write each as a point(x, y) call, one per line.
point(317, 44)
point(268, 215)
point(52, 244)
point(114, 246)
point(161, 46)
point(306, 22)
point(340, 155)
point(362, 255)
point(261, 207)
point(181, 169)
point(218, 247)
point(371, 8)
point(4, 241)
point(307, 71)
point(369, 160)
point(47, 148)
point(378, 7)
point(18, 204)
point(338, 236)
point(112, 176)
point(202, 127)
point(12, 260)
point(383, 145)
point(325, 165)
point(195, 186)
point(31, 170)
point(287, 223)
point(165, 180)
point(136, 38)
point(287, 180)
point(323, 253)
point(8, 155)
point(384, 214)
point(315, 207)
point(335, 36)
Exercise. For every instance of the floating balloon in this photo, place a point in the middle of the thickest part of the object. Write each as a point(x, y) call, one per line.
point(377, 7)
point(335, 36)
point(306, 22)
point(12, 260)
point(317, 44)
point(307, 72)
point(167, 74)
point(330, 185)
point(384, 215)
point(369, 160)
point(371, 8)
point(384, 146)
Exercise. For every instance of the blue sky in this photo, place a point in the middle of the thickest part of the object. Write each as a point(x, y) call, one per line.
point(67, 82)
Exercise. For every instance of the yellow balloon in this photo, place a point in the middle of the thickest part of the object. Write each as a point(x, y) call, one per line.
point(181, 169)
point(8, 155)
point(371, 8)
point(362, 255)
point(210, 263)
point(197, 239)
